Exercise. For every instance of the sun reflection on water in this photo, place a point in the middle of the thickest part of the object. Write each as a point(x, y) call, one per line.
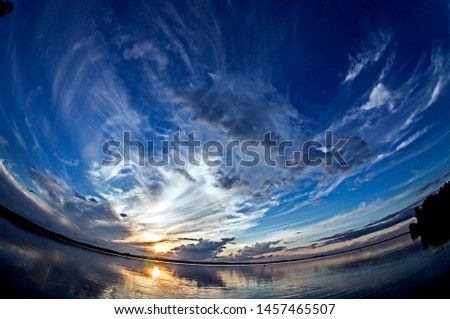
point(155, 272)
point(144, 279)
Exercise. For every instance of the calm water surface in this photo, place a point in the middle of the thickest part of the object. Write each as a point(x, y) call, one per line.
point(34, 266)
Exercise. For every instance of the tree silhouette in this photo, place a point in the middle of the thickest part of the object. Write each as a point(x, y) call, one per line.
point(433, 219)
point(5, 8)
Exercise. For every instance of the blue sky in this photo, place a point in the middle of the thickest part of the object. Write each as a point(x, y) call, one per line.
point(76, 74)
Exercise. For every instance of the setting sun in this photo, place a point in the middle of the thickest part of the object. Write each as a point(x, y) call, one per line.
point(157, 248)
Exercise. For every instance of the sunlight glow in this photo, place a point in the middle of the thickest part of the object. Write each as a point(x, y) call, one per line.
point(157, 248)
point(155, 272)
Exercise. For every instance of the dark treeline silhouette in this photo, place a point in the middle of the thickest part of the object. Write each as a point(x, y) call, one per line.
point(433, 219)
point(5, 8)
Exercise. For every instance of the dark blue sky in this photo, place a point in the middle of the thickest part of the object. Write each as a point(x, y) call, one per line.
point(76, 74)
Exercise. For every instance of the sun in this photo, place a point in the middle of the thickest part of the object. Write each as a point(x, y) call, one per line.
point(157, 248)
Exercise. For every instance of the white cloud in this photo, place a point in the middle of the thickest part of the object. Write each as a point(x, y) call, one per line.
point(80, 61)
point(146, 50)
point(379, 97)
point(161, 205)
point(371, 54)
point(355, 69)
point(411, 139)
point(66, 162)
point(3, 142)
point(18, 135)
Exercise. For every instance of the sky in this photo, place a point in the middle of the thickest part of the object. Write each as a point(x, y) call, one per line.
point(77, 74)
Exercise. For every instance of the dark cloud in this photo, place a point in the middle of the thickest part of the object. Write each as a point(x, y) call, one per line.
point(188, 239)
point(430, 186)
point(244, 108)
point(76, 194)
point(185, 174)
point(228, 181)
point(83, 211)
point(203, 249)
point(447, 175)
point(355, 152)
point(92, 199)
point(392, 218)
point(372, 227)
point(259, 249)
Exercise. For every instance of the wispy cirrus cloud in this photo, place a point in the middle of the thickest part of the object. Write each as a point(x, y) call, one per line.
point(3, 142)
point(371, 52)
point(146, 50)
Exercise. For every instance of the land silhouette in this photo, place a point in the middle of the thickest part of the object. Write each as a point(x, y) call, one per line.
point(433, 219)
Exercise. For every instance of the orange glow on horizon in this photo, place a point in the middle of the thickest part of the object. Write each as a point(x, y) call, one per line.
point(158, 248)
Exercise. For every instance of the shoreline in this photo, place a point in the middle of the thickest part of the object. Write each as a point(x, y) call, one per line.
point(26, 224)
